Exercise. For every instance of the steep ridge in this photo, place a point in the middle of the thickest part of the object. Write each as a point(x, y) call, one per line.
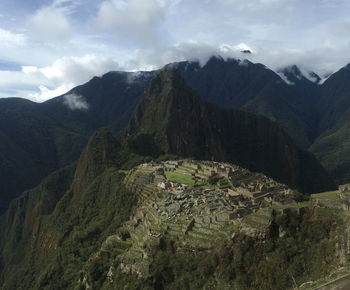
point(49, 232)
point(332, 147)
point(100, 152)
point(334, 101)
point(172, 119)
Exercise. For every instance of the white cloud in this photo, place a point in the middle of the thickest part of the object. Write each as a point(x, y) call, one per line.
point(50, 23)
point(10, 39)
point(76, 69)
point(134, 21)
point(227, 48)
point(46, 93)
point(42, 83)
point(76, 102)
point(18, 84)
point(68, 72)
point(321, 60)
point(190, 50)
point(253, 5)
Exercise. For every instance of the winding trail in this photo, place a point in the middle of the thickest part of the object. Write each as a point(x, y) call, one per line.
point(340, 284)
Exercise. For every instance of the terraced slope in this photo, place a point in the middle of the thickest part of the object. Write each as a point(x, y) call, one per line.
point(195, 214)
point(178, 224)
point(183, 211)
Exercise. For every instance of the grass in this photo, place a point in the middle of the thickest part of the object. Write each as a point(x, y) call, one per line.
point(292, 205)
point(331, 195)
point(174, 176)
point(179, 178)
point(298, 204)
point(183, 178)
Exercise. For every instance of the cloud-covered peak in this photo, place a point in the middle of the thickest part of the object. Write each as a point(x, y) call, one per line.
point(52, 39)
point(293, 74)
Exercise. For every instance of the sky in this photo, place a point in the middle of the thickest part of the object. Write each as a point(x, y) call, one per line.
point(50, 46)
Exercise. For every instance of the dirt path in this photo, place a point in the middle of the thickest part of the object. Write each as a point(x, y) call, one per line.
point(340, 284)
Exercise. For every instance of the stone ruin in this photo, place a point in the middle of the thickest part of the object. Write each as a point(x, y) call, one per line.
point(342, 202)
point(243, 193)
point(191, 214)
point(345, 188)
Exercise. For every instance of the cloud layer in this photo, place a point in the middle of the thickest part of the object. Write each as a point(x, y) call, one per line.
point(134, 21)
point(48, 46)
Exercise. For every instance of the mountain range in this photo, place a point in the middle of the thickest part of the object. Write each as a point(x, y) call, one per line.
point(40, 138)
point(104, 222)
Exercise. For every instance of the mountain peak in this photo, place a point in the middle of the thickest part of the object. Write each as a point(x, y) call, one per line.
point(294, 69)
point(215, 59)
point(167, 85)
point(167, 95)
point(293, 74)
point(170, 76)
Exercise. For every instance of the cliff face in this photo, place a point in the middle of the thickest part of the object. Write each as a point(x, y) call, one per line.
point(171, 118)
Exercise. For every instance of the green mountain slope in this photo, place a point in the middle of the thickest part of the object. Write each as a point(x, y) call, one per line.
point(32, 146)
point(51, 230)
